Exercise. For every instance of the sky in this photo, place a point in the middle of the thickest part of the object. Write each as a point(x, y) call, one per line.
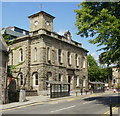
point(16, 14)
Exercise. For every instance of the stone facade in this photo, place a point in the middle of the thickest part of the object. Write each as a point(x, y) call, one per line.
point(47, 56)
point(3, 70)
point(116, 76)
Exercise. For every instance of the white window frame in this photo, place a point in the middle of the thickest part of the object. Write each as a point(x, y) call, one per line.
point(84, 62)
point(69, 57)
point(77, 60)
point(34, 79)
point(60, 77)
point(77, 81)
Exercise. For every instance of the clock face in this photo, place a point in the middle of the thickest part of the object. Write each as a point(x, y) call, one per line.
point(36, 23)
point(47, 23)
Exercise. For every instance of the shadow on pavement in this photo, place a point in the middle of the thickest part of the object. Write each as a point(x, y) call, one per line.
point(115, 100)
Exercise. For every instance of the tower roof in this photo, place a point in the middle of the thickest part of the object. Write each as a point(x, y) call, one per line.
point(41, 12)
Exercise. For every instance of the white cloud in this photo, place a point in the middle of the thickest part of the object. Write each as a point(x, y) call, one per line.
point(95, 55)
point(61, 32)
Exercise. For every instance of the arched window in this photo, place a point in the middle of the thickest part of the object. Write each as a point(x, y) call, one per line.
point(77, 81)
point(59, 56)
point(35, 79)
point(48, 54)
point(69, 58)
point(77, 60)
point(20, 55)
point(35, 51)
point(84, 64)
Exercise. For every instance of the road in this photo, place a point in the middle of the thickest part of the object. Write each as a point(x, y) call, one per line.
point(90, 105)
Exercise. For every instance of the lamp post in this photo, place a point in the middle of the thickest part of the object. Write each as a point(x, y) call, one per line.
point(110, 106)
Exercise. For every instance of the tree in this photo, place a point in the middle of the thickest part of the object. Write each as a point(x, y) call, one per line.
point(105, 74)
point(97, 73)
point(101, 20)
point(93, 69)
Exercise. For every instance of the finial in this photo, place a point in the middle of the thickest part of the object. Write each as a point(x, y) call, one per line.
point(41, 7)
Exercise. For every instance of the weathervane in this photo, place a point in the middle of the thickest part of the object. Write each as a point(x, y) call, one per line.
point(41, 7)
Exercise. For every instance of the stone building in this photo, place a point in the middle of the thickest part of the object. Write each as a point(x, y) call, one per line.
point(115, 76)
point(3, 70)
point(47, 56)
point(14, 32)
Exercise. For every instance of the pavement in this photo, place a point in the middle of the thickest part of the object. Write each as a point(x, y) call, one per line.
point(31, 100)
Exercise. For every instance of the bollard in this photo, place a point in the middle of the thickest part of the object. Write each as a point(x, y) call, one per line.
point(110, 107)
point(81, 91)
point(22, 96)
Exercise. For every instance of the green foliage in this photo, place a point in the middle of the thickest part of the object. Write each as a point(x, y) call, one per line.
point(117, 86)
point(101, 20)
point(96, 73)
point(93, 69)
point(7, 39)
point(105, 73)
point(11, 68)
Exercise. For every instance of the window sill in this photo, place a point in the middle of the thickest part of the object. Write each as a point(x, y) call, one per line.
point(36, 86)
point(60, 63)
point(77, 86)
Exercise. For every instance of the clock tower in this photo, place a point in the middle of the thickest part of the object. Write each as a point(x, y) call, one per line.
point(41, 20)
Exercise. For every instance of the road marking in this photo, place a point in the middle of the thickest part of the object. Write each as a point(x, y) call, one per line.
point(56, 102)
point(91, 96)
point(113, 109)
point(18, 107)
point(71, 99)
point(63, 109)
point(87, 102)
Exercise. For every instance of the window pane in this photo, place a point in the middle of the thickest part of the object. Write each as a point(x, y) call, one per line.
point(36, 79)
point(21, 79)
point(59, 56)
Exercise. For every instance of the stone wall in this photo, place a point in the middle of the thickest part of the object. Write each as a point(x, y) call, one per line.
point(3, 76)
point(116, 75)
point(42, 66)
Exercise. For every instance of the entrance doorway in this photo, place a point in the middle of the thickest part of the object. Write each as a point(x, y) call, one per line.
point(69, 79)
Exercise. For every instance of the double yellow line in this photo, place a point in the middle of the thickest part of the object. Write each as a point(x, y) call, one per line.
point(38, 103)
point(113, 110)
point(32, 104)
point(17, 107)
